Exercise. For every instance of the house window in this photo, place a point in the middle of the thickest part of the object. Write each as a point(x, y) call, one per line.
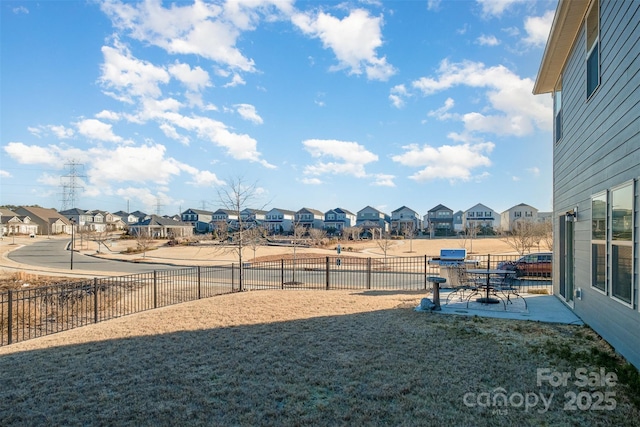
point(622, 243)
point(557, 111)
point(599, 242)
point(593, 46)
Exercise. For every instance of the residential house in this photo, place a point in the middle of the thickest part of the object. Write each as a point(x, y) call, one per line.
point(279, 221)
point(457, 221)
point(439, 221)
point(141, 216)
point(252, 217)
point(49, 221)
point(223, 219)
point(200, 219)
point(590, 68)
point(481, 218)
point(372, 221)
point(158, 227)
point(405, 221)
point(98, 221)
point(12, 224)
point(338, 219)
point(515, 215)
point(126, 217)
point(79, 217)
point(310, 218)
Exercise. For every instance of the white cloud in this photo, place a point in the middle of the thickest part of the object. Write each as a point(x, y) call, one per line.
point(195, 79)
point(433, 4)
point(489, 40)
point(538, 28)
point(59, 131)
point(129, 77)
point(382, 180)
point(451, 162)
point(353, 39)
point(205, 29)
point(495, 8)
point(20, 9)
point(33, 155)
point(442, 113)
point(534, 171)
point(4, 174)
point(236, 80)
point(512, 108)
point(311, 181)
point(238, 146)
point(205, 179)
point(248, 112)
point(96, 130)
point(145, 163)
point(149, 200)
point(398, 95)
point(108, 115)
point(350, 157)
point(172, 133)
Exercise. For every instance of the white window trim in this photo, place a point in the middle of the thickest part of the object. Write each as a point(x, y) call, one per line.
point(631, 243)
point(606, 245)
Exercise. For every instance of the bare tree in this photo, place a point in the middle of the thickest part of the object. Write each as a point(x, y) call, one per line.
point(522, 237)
point(317, 235)
point(144, 240)
point(468, 234)
point(221, 230)
point(236, 196)
point(255, 237)
point(385, 243)
point(101, 237)
point(546, 229)
point(352, 232)
point(408, 230)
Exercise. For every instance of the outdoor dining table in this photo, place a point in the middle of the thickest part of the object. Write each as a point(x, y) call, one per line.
point(488, 273)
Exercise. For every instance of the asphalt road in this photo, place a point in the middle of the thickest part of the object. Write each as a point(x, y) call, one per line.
point(54, 254)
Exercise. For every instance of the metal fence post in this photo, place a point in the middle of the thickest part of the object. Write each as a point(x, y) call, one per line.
point(10, 323)
point(369, 273)
point(327, 269)
point(199, 290)
point(425, 272)
point(282, 272)
point(233, 275)
point(95, 300)
point(155, 289)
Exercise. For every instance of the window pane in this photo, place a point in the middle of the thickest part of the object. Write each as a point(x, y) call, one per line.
point(621, 262)
point(599, 217)
point(598, 264)
point(622, 213)
point(592, 72)
point(592, 25)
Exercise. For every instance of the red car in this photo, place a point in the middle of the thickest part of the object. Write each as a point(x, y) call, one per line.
point(531, 265)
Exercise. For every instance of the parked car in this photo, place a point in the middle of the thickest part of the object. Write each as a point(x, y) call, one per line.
point(536, 265)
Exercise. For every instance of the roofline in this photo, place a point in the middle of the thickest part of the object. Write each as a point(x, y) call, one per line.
point(567, 22)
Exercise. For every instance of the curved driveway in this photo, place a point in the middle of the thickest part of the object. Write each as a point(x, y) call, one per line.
point(53, 254)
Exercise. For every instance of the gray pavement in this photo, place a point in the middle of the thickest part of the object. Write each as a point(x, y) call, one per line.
point(52, 254)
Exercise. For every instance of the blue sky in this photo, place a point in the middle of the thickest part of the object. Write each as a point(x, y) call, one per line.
point(156, 105)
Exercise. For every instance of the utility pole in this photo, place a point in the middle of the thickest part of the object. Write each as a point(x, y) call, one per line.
point(70, 184)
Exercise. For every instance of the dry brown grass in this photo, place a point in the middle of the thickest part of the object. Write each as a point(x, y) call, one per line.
point(294, 358)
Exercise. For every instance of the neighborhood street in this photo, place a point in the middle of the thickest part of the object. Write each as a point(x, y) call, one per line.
point(53, 253)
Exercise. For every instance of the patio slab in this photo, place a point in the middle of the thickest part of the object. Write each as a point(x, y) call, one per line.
point(539, 308)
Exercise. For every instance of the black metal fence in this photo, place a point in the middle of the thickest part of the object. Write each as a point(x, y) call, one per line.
point(35, 312)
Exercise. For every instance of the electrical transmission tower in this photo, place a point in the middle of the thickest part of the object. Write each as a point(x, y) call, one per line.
point(70, 184)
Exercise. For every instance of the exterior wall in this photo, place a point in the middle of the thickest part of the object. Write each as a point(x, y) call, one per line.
point(599, 150)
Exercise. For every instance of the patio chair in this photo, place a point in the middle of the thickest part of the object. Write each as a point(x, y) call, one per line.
point(463, 285)
point(505, 285)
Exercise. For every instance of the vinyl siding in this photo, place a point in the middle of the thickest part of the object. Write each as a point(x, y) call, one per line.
point(600, 149)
